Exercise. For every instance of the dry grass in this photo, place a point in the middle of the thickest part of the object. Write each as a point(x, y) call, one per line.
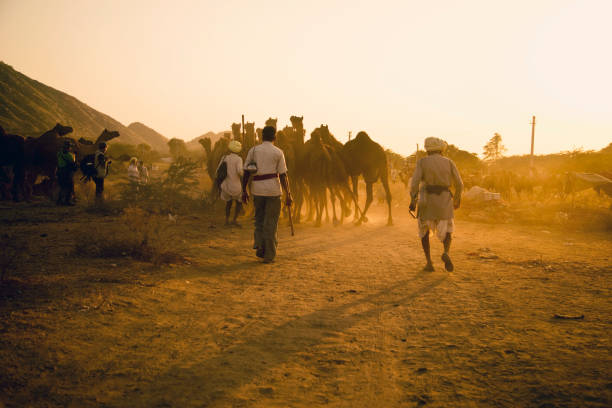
point(137, 234)
point(13, 249)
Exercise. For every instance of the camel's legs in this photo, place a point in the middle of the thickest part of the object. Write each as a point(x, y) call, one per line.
point(319, 202)
point(332, 197)
point(369, 199)
point(325, 205)
point(354, 180)
point(312, 205)
point(385, 183)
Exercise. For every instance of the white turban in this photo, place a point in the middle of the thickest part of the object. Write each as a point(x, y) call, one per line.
point(235, 146)
point(433, 144)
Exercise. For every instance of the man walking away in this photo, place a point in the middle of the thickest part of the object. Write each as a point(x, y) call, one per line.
point(267, 163)
point(101, 163)
point(230, 187)
point(66, 166)
point(431, 183)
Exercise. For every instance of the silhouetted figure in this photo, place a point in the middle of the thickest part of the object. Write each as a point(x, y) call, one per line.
point(66, 166)
point(101, 163)
point(267, 164)
point(431, 181)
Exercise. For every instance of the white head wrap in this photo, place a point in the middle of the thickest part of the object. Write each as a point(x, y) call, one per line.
point(235, 146)
point(433, 144)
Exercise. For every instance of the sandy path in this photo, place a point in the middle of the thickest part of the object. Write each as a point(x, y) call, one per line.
point(343, 318)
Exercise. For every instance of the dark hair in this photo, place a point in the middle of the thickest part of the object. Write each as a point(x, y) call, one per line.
point(102, 145)
point(268, 133)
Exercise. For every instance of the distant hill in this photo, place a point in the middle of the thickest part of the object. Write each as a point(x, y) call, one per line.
point(194, 144)
point(29, 108)
point(156, 140)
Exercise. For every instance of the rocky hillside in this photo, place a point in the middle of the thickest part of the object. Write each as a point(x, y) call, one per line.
point(29, 108)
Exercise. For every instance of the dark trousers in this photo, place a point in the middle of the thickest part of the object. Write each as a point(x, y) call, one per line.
point(267, 212)
point(65, 179)
point(99, 187)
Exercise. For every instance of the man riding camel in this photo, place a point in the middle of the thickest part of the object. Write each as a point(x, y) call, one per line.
point(431, 181)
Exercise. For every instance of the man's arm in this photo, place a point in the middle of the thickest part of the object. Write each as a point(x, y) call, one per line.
point(284, 180)
point(245, 181)
point(458, 183)
point(414, 185)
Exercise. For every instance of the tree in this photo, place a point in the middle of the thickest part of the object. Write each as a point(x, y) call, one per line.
point(145, 153)
point(178, 148)
point(494, 149)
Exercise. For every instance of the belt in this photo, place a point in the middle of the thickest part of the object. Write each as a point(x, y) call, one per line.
point(265, 176)
point(432, 189)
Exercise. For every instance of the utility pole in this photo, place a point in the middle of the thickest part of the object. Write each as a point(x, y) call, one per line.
point(243, 136)
point(350, 133)
point(533, 123)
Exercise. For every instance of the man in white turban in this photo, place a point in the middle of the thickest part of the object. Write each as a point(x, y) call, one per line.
point(231, 187)
point(431, 182)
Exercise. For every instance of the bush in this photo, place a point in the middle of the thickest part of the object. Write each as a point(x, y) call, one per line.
point(137, 234)
point(173, 192)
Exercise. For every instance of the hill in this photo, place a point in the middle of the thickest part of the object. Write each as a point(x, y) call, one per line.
point(194, 144)
point(156, 140)
point(29, 108)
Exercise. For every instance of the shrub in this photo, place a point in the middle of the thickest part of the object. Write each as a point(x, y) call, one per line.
point(137, 234)
point(175, 190)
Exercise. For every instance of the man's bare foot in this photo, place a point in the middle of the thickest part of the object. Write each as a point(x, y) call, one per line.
point(428, 268)
point(448, 264)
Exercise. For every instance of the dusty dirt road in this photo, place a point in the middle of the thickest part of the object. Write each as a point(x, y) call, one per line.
point(344, 318)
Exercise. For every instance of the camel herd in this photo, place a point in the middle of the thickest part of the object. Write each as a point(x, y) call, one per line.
point(321, 169)
point(24, 160)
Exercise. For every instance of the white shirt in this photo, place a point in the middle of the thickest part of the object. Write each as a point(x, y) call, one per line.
point(270, 159)
point(133, 174)
point(232, 185)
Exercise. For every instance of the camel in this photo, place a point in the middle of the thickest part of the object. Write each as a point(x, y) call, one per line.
point(298, 169)
point(214, 154)
point(272, 122)
point(297, 123)
point(41, 152)
point(326, 172)
point(236, 135)
point(367, 158)
point(41, 156)
point(12, 163)
point(249, 138)
point(86, 147)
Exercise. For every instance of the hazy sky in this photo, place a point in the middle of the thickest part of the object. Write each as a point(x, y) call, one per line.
point(400, 70)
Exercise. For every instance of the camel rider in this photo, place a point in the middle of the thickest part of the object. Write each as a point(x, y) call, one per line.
point(431, 181)
point(267, 163)
point(101, 163)
point(231, 187)
point(66, 166)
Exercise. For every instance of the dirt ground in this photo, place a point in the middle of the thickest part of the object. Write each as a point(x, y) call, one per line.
point(344, 318)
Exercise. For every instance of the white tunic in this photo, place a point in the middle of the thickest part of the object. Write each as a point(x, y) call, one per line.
point(231, 187)
point(270, 160)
